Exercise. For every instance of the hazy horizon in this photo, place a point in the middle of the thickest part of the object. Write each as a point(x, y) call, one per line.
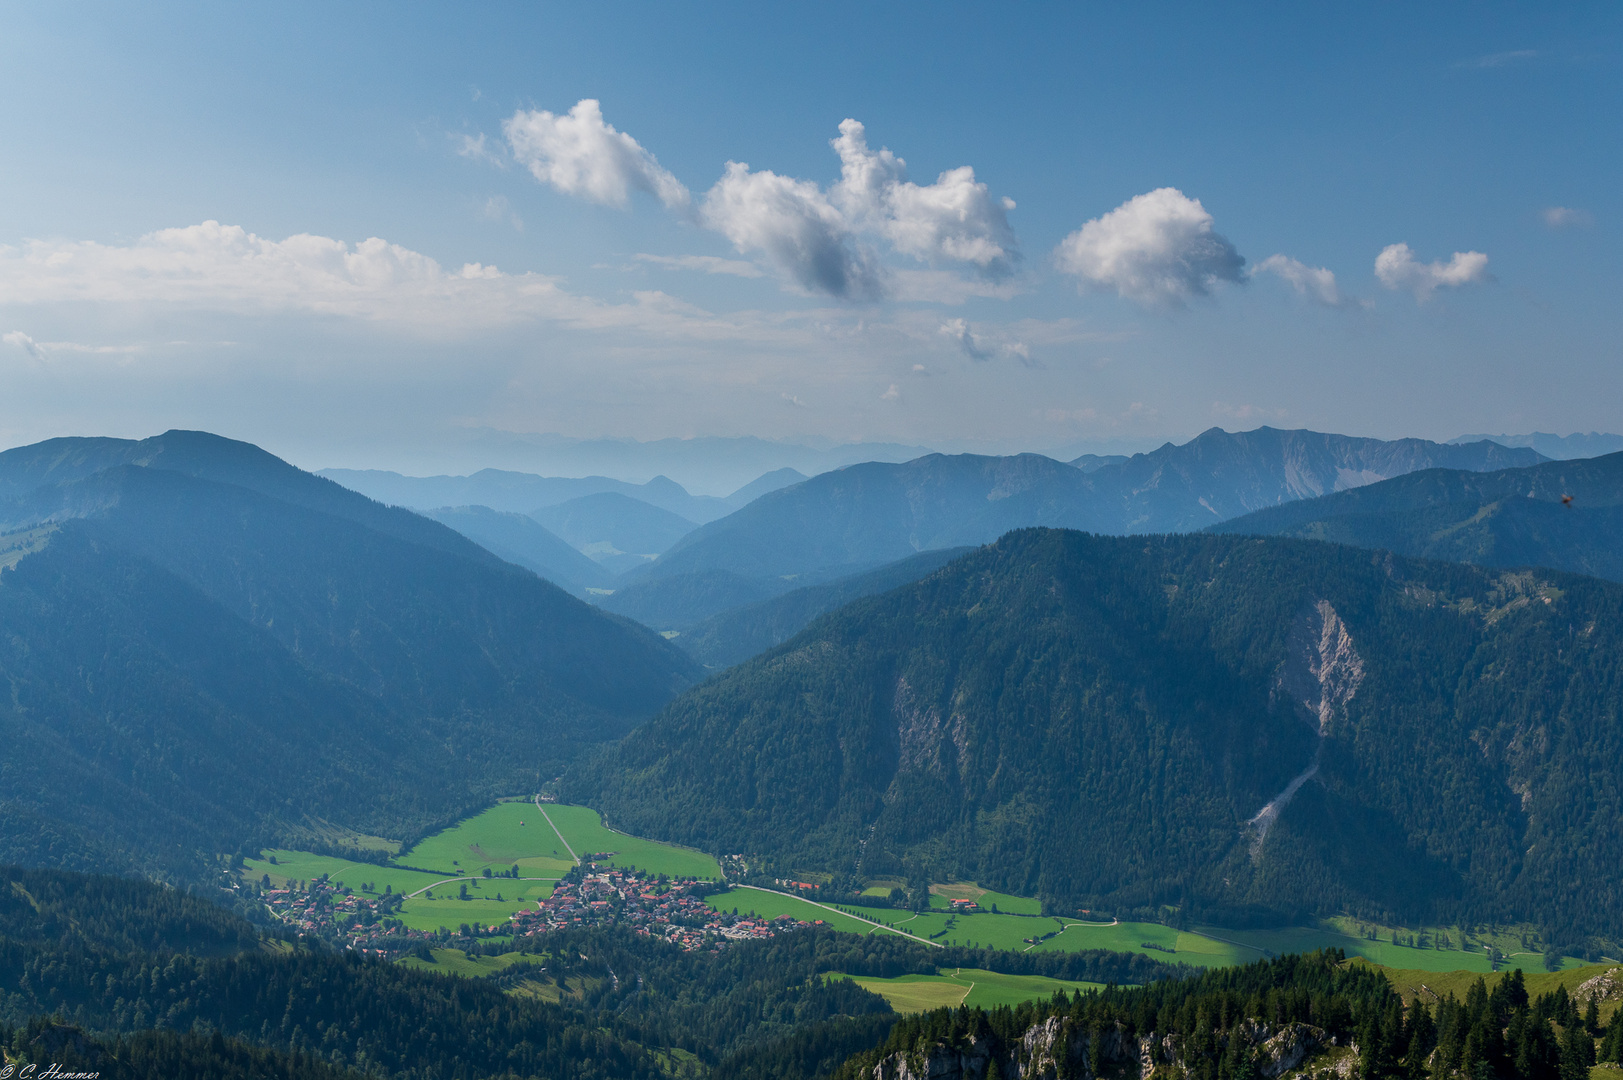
point(356, 240)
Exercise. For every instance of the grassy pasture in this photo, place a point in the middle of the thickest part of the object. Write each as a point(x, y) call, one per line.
point(1297, 939)
point(584, 829)
point(914, 993)
point(457, 962)
point(769, 905)
point(983, 929)
point(1002, 931)
point(941, 897)
point(964, 986)
point(507, 833)
point(482, 908)
point(303, 866)
point(1417, 981)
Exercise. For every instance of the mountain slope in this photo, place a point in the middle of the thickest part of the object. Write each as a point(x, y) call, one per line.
point(616, 530)
point(735, 635)
point(1220, 474)
point(523, 541)
point(206, 663)
point(1228, 724)
point(876, 513)
point(1514, 517)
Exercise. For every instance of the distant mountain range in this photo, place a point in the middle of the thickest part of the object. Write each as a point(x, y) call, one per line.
point(1567, 515)
point(206, 647)
point(683, 559)
point(523, 493)
point(712, 465)
point(875, 513)
point(1249, 729)
point(1556, 447)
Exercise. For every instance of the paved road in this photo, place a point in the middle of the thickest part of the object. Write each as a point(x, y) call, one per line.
point(561, 839)
point(481, 877)
point(848, 915)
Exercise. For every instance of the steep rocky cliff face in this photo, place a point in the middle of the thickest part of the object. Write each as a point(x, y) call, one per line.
point(1058, 1048)
point(1320, 674)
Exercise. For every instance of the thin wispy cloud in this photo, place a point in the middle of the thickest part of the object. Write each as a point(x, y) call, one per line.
point(1566, 217)
point(1314, 282)
point(499, 208)
point(479, 148)
point(980, 349)
point(1500, 59)
point(19, 340)
point(705, 264)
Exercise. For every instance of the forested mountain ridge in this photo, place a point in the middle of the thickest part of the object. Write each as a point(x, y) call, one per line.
point(1566, 515)
point(1102, 721)
point(239, 651)
point(874, 513)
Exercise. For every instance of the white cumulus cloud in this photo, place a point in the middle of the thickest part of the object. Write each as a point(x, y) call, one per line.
point(793, 223)
point(1397, 268)
point(1310, 281)
point(1158, 248)
point(954, 219)
point(820, 240)
point(579, 154)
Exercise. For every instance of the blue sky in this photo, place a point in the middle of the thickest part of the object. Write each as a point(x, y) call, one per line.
point(1147, 151)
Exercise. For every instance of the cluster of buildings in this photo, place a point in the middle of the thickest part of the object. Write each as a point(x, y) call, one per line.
point(359, 922)
point(674, 911)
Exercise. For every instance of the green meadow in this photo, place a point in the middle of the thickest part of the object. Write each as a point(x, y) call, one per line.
point(998, 931)
point(941, 897)
point(303, 866)
point(1429, 985)
point(518, 833)
point(442, 906)
point(964, 986)
point(457, 962)
point(584, 829)
point(769, 905)
point(505, 834)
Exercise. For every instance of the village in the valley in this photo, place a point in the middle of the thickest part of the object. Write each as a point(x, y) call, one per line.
point(654, 906)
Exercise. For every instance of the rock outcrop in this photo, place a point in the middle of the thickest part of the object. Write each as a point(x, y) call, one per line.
point(1288, 1049)
point(1603, 987)
point(1057, 1048)
point(1053, 1049)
